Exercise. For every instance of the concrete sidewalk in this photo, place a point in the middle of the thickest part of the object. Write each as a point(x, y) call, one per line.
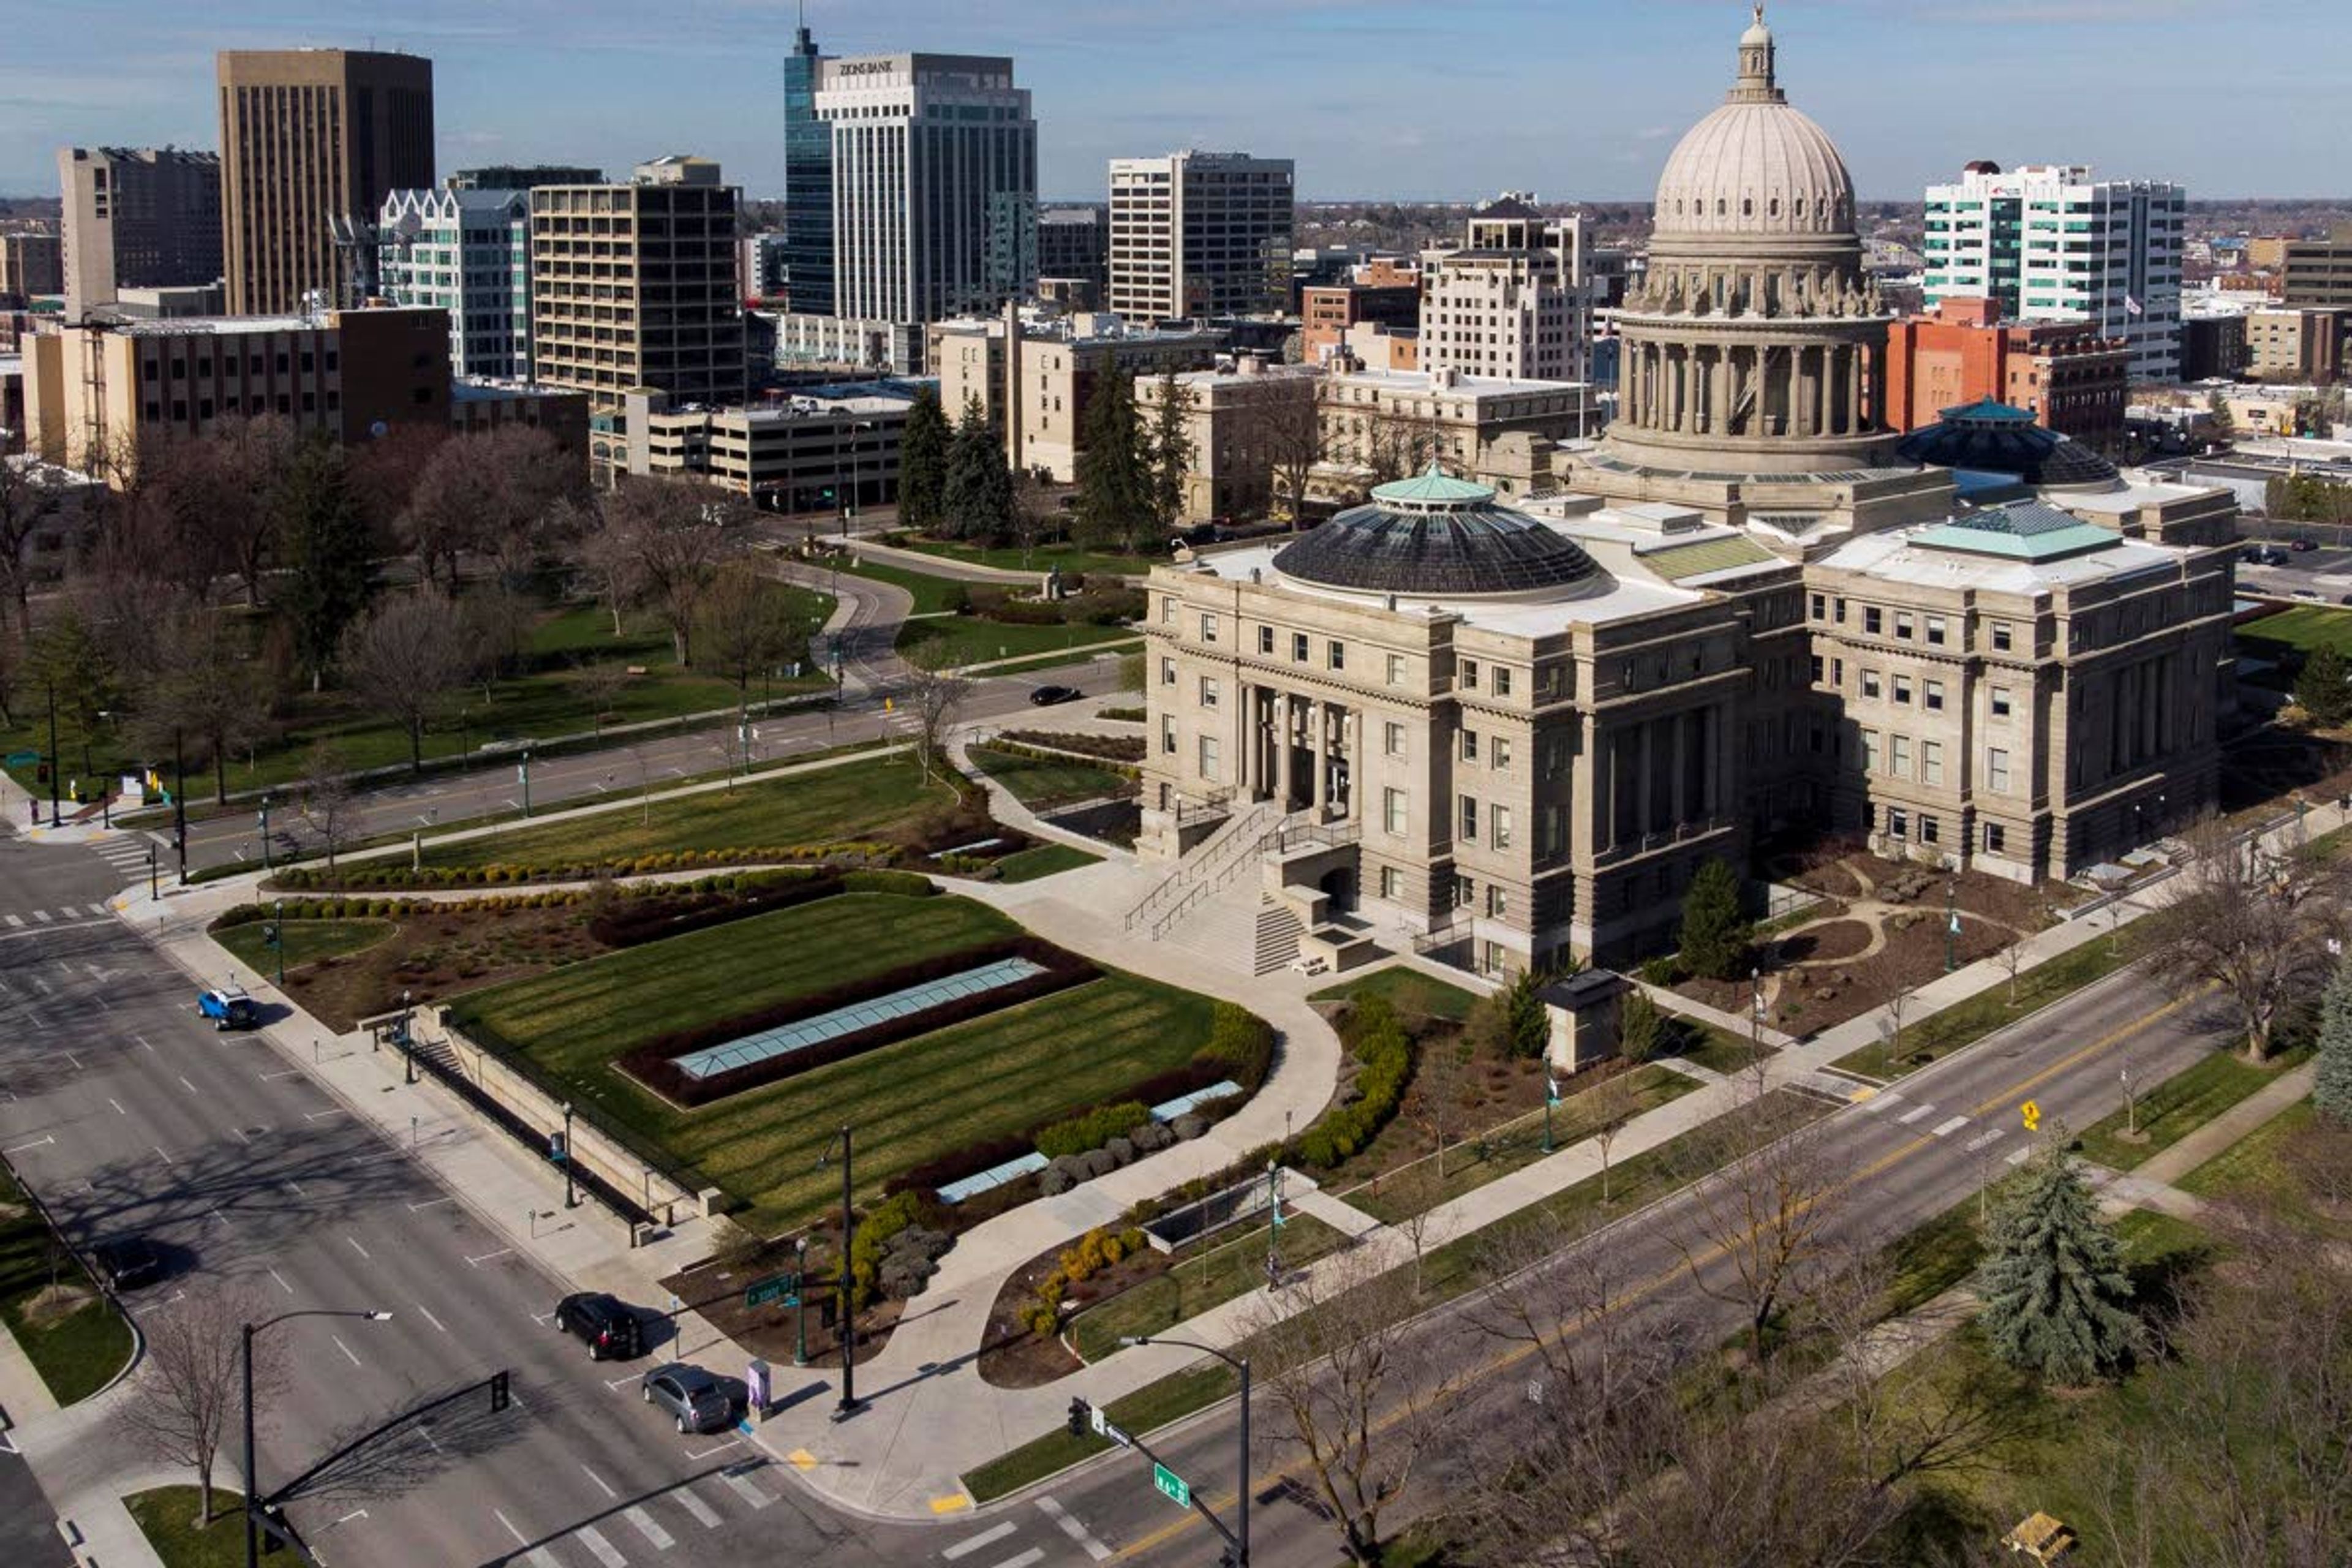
point(2231, 1127)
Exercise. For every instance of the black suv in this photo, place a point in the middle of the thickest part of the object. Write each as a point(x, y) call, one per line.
point(608, 1326)
point(126, 1263)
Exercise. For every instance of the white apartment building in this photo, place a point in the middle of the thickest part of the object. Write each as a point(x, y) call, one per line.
point(1513, 300)
point(468, 253)
point(929, 151)
point(1197, 235)
point(2051, 244)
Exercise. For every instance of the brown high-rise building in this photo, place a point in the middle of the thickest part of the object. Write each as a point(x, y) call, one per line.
point(309, 137)
point(143, 217)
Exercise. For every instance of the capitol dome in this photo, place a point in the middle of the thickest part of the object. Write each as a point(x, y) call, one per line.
point(1432, 534)
point(1755, 166)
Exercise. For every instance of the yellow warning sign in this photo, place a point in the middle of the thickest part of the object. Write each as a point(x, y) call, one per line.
point(2031, 1111)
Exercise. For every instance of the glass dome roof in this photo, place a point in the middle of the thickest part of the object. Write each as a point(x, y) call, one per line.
point(1435, 535)
point(1990, 438)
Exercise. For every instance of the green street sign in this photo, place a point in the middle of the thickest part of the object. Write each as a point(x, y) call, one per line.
point(783, 1289)
point(1171, 1485)
point(23, 759)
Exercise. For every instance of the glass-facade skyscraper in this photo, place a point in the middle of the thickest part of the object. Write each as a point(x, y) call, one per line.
point(808, 185)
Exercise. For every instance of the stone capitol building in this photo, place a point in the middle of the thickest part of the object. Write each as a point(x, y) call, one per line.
point(1748, 611)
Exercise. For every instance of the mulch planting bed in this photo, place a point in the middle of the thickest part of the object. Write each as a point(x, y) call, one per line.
point(435, 955)
point(1821, 943)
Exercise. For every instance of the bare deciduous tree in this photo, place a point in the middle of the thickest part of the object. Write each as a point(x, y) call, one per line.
point(675, 534)
point(1758, 1234)
point(191, 1384)
point(32, 497)
point(1360, 1405)
point(328, 799)
point(747, 625)
point(253, 456)
point(205, 685)
point(1614, 1104)
point(2256, 924)
point(934, 694)
point(600, 686)
point(402, 657)
point(2013, 960)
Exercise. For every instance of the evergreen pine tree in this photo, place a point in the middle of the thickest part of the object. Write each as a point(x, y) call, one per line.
point(327, 556)
point(1715, 933)
point(2054, 1285)
point(1114, 470)
point(2320, 690)
point(2331, 1090)
point(1171, 451)
point(976, 499)
point(923, 462)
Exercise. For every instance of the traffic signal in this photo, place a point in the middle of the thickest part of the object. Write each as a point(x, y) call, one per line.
point(1079, 1413)
point(498, 1394)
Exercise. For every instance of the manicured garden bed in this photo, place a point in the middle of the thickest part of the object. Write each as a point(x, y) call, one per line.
point(72, 1335)
point(1044, 782)
point(1416, 996)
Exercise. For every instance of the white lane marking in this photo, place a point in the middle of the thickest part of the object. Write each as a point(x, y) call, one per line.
point(1991, 1135)
point(485, 1257)
point(1074, 1530)
point(600, 1548)
point(1034, 1554)
point(100, 909)
point(345, 1348)
point(355, 1513)
point(75, 1059)
point(17, 921)
point(184, 1083)
point(431, 1203)
point(540, 1557)
point(320, 1115)
point(744, 1488)
point(146, 1042)
point(429, 1318)
point(160, 1155)
point(34, 1143)
point(358, 1248)
point(1945, 1129)
point(1882, 1099)
point(662, 1539)
point(43, 917)
point(626, 1379)
point(1914, 1114)
point(297, 1187)
point(985, 1538)
point(289, 1072)
point(214, 1212)
point(602, 1484)
point(118, 1106)
point(238, 1134)
point(281, 1281)
point(521, 1539)
point(704, 1514)
point(2018, 1156)
point(42, 986)
point(694, 1458)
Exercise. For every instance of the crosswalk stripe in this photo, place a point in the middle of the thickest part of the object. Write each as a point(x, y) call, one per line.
point(1991, 1135)
point(602, 1549)
point(747, 1491)
point(540, 1557)
point(42, 916)
point(15, 919)
point(1075, 1529)
point(1882, 1099)
point(1914, 1114)
point(662, 1540)
point(1945, 1129)
point(1034, 1554)
point(704, 1514)
point(98, 909)
point(2018, 1156)
point(985, 1538)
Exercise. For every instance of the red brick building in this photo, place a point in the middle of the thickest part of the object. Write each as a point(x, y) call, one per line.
point(1380, 292)
point(2071, 379)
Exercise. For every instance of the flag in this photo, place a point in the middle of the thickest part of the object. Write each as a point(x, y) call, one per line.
point(1956, 922)
point(1552, 1091)
point(2132, 306)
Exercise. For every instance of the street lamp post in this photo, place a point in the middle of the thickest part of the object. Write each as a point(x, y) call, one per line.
point(1756, 1016)
point(253, 1486)
point(278, 933)
point(800, 1300)
point(1240, 1365)
point(57, 761)
point(408, 1054)
point(525, 772)
point(265, 831)
point(180, 802)
point(571, 1194)
point(154, 894)
point(847, 1405)
point(1951, 922)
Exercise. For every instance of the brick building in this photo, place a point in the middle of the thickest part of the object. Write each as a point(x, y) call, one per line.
point(2070, 376)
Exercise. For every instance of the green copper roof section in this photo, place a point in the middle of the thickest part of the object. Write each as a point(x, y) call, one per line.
point(2028, 531)
point(1989, 410)
point(1682, 560)
point(1434, 485)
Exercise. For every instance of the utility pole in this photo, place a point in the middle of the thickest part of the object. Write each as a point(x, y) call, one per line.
point(265, 831)
point(57, 761)
point(180, 802)
point(1240, 1537)
point(571, 1194)
point(524, 771)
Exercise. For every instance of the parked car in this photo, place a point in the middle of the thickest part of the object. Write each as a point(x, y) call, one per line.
point(694, 1397)
point(126, 1262)
point(2307, 594)
point(228, 1007)
point(2303, 544)
point(1046, 696)
point(611, 1330)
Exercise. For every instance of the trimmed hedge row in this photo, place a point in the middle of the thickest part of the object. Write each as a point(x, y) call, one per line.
point(369, 874)
point(650, 919)
point(1092, 1129)
point(1022, 749)
point(654, 1063)
point(749, 884)
point(1377, 1039)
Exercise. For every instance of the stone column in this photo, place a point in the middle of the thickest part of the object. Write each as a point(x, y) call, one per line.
point(1648, 795)
point(1253, 743)
point(1319, 718)
point(1718, 416)
point(1854, 389)
point(1282, 749)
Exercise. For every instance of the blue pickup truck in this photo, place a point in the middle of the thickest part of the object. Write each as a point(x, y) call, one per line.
point(228, 1007)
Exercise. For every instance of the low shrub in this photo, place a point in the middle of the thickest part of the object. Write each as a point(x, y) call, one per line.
point(1091, 1129)
point(653, 919)
point(888, 1217)
point(906, 884)
point(1376, 1037)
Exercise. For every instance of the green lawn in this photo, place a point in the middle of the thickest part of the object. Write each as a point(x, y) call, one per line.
point(1042, 860)
point(1231, 1269)
point(1085, 654)
point(2301, 630)
point(854, 800)
point(541, 702)
point(1043, 783)
point(967, 640)
point(1416, 995)
point(1966, 1023)
point(1703, 1045)
point(79, 1353)
point(306, 941)
point(932, 595)
point(167, 1516)
point(1070, 558)
point(911, 1101)
point(2172, 1109)
point(1472, 1163)
point(1145, 1411)
point(2256, 1168)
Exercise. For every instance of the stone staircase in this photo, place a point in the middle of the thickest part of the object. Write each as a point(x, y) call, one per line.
point(1240, 928)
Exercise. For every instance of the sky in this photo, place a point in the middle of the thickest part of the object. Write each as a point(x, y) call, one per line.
point(1575, 100)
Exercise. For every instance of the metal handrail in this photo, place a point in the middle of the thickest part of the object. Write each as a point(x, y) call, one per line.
point(1181, 874)
point(1270, 839)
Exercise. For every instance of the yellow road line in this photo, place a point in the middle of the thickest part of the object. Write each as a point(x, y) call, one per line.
point(954, 1502)
point(1657, 1282)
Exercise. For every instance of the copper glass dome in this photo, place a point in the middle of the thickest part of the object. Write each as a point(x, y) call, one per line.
point(1435, 535)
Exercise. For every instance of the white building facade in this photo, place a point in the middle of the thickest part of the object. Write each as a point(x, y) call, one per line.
point(468, 253)
point(929, 151)
point(2052, 243)
point(1196, 235)
point(1513, 301)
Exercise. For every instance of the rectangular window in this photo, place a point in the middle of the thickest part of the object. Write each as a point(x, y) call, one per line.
point(1498, 827)
point(1929, 831)
point(1495, 962)
point(1931, 762)
point(1870, 619)
point(1335, 655)
point(1299, 646)
point(1167, 610)
point(1167, 735)
point(1870, 686)
point(1898, 756)
point(1209, 757)
point(1903, 625)
point(1870, 751)
point(1840, 616)
point(1469, 745)
point(1396, 669)
point(1167, 673)
point(1821, 606)
point(2001, 701)
point(1392, 884)
point(1392, 739)
point(1469, 675)
point(1902, 688)
point(1935, 631)
point(2001, 635)
point(1502, 681)
point(1392, 812)
point(1819, 670)
point(1996, 770)
point(1498, 901)
point(1499, 756)
point(1208, 626)
point(1265, 641)
point(1931, 696)
point(1898, 822)
point(1469, 820)
point(1208, 692)
point(1463, 892)
point(1996, 839)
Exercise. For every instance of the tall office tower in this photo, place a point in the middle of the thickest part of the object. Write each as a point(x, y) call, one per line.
point(468, 253)
point(1199, 234)
point(808, 185)
point(30, 264)
point(1512, 300)
point(923, 146)
point(312, 138)
point(522, 176)
point(2319, 271)
point(2051, 244)
point(1074, 242)
point(137, 217)
point(635, 286)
